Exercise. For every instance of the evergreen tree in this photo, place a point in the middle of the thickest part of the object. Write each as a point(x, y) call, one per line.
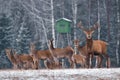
point(5, 37)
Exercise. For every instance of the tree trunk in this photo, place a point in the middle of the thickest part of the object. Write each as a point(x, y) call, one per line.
point(118, 33)
point(74, 9)
point(108, 19)
point(99, 20)
point(53, 29)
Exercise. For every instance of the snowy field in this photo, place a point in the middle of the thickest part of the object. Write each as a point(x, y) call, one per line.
point(61, 74)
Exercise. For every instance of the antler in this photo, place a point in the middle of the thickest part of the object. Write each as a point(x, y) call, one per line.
point(96, 26)
point(80, 25)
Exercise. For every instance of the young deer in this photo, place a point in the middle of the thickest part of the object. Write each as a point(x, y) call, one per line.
point(95, 47)
point(66, 52)
point(25, 61)
point(11, 58)
point(79, 56)
point(35, 57)
point(53, 65)
point(41, 55)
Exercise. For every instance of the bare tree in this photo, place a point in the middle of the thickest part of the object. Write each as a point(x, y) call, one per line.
point(98, 19)
point(74, 9)
point(108, 18)
point(46, 13)
point(53, 29)
point(118, 33)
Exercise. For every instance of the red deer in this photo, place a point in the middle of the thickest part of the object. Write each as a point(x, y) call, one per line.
point(41, 55)
point(35, 57)
point(53, 65)
point(95, 47)
point(79, 56)
point(11, 58)
point(83, 51)
point(25, 61)
point(66, 52)
point(79, 59)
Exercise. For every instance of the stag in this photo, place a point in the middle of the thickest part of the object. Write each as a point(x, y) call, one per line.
point(95, 47)
point(66, 52)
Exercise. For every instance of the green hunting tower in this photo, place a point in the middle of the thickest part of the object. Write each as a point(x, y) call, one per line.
point(63, 25)
point(63, 29)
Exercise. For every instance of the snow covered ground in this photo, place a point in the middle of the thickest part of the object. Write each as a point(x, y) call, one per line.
point(61, 74)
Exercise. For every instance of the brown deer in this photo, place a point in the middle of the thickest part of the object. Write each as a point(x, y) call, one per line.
point(25, 61)
point(53, 65)
point(95, 47)
point(41, 55)
point(35, 57)
point(11, 58)
point(79, 59)
point(79, 56)
point(66, 52)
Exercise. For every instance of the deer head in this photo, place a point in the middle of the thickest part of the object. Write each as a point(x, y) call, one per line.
point(50, 43)
point(76, 43)
point(32, 48)
point(88, 32)
point(8, 51)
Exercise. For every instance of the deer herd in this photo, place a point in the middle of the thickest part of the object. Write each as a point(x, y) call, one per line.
point(82, 55)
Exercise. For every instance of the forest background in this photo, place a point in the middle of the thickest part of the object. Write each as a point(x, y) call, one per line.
point(26, 21)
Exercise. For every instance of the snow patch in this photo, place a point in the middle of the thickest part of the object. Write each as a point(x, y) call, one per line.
point(61, 74)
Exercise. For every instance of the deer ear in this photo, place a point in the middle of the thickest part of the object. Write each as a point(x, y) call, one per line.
point(85, 32)
point(92, 32)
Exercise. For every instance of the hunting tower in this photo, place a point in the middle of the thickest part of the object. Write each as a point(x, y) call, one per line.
point(63, 29)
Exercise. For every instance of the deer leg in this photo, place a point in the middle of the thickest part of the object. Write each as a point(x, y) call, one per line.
point(20, 64)
point(63, 63)
point(87, 60)
point(26, 65)
point(81, 64)
point(90, 60)
point(85, 65)
point(45, 63)
point(99, 60)
point(107, 60)
point(75, 64)
point(36, 65)
point(71, 62)
point(15, 66)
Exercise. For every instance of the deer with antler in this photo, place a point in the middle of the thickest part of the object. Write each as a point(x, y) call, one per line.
point(95, 47)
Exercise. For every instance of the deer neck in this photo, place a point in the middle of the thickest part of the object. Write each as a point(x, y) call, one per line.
point(75, 49)
point(51, 47)
point(89, 43)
